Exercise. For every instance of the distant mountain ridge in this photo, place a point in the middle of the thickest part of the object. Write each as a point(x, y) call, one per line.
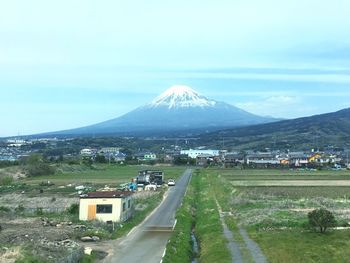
point(314, 131)
point(179, 108)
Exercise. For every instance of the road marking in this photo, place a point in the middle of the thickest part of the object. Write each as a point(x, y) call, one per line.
point(161, 261)
point(174, 223)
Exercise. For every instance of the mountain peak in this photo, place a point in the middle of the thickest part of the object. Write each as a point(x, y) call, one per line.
point(181, 96)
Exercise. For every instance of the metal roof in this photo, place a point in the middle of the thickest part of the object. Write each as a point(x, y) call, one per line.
point(107, 194)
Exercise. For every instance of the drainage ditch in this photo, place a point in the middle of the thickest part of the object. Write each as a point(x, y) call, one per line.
point(195, 247)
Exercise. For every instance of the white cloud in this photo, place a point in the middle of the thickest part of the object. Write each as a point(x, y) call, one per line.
point(277, 106)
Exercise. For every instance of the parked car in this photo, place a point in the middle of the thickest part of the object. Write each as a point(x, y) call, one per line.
point(171, 182)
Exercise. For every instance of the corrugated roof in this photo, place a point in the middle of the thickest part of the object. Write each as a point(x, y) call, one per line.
point(107, 194)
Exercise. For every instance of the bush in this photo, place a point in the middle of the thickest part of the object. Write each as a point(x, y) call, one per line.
point(100, 159)
point(40, 169)
point(39, 211)
point(4, 209)
point(321, 219)
point(35, 165)
point(73, 209)
point(7, 180)
point(19, 209)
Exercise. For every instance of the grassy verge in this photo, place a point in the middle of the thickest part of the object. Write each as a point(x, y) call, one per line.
point(223, 194)
point(179, 248)
point(199, 211)
point(208, 225)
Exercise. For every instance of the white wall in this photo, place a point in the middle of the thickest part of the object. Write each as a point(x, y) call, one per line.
point(194, 153)
point(117, 214)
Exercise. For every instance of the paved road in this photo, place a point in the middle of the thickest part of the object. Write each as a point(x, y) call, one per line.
point(147, 242)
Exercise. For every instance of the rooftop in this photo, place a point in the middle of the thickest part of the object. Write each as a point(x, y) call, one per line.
point(107, 194)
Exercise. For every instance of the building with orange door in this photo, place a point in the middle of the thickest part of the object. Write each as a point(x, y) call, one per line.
point(115, 206)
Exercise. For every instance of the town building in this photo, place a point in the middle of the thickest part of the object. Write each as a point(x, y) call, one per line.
point(87, 152)
point(234, 159)
point(149, 157)
point(109, 150)
point(262, 158)
point(115, 206)
point(196, 152)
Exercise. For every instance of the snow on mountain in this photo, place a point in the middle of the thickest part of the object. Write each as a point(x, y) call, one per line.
point(179, 96)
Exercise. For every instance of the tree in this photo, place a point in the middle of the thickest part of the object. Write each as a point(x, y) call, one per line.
point(100, 158)
point(35, 165)
point(322, 219)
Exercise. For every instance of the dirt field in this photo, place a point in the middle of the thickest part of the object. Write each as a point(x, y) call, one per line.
point(14, 172)
point(45, 239)
point(52, 203)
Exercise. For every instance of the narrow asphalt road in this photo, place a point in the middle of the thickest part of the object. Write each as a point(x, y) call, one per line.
point(147, 242)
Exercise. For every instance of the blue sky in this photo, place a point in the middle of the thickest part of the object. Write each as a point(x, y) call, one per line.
point(64, 64)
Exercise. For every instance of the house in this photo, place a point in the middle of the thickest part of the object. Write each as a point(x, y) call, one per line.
point(283, 158)
point(262, 159)
point(116, 206)
point(109, 150)
point(298, 159)
point(234, 159)
point(87, 152)
point(204, 159)
point(119, 157)
point(316, 157)
point(194, 153)
point(149, 157)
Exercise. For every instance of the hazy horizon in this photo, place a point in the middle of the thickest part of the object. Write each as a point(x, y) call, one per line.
point(65, 65)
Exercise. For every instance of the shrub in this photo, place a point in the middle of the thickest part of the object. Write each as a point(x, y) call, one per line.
point(39, 211)
point(73, 209)
point(19, 209)
point(35, 165)
point(4, 209)
point(321, 219)
point(40, 169)
point(7, 180)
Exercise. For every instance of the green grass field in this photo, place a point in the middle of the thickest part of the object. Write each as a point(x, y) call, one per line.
point(295, 246)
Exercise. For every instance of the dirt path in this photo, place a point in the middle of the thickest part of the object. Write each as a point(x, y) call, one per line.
point(234, 246)
point(253, 247)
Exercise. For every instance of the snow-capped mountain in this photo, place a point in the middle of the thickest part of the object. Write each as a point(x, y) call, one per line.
point(179, 96)
point(178, 109)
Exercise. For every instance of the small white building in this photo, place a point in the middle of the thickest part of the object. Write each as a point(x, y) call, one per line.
point(87, 152)
point(112, 150)
point(116, 206)
point(195, 153)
